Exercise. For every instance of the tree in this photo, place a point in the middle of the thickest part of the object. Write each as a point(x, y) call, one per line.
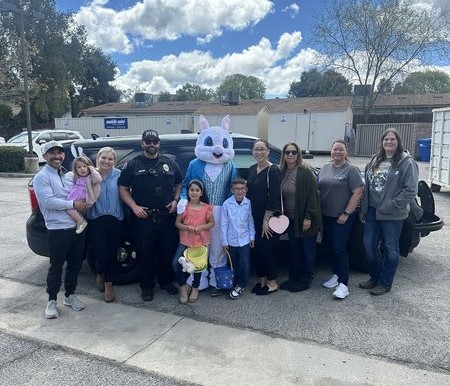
point(248, 87)
point(127, 95)
point(427, 82)
point(91, 87)
point(385, 87)
point(375, 39)
point(6, 116)
point(165, 96)
point(64, 71)
point(315, 84)
point(193, 92)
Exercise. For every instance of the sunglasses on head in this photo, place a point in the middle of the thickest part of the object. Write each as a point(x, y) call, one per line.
point(151, 141)
point(293, 152)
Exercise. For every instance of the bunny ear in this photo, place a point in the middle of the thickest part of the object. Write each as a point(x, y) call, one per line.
point(226, 122)
point(203, 123)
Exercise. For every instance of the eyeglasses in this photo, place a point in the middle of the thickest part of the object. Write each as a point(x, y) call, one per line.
point(293, 152)
point(151, 141)
point(241, 188)
point(260, 149)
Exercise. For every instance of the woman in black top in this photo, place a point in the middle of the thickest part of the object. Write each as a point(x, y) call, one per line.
point(264, 193)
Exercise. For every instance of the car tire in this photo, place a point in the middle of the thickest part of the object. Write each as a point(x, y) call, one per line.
point(126, 270)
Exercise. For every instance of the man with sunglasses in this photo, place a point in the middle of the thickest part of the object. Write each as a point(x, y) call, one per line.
point(150, 185)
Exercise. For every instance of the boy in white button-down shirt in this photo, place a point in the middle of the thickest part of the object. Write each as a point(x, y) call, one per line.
point(238, 234)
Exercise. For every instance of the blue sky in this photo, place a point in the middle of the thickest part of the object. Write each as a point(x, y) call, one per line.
point(159, 45)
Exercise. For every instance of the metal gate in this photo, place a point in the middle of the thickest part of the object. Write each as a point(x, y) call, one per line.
point(367, 140)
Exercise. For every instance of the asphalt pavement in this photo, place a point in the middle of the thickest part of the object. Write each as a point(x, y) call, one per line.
point(401, 338)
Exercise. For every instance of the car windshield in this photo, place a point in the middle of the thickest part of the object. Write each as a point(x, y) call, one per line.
point(21, 138)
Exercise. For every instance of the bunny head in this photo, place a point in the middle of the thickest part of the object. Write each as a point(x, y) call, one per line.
point(214, 144)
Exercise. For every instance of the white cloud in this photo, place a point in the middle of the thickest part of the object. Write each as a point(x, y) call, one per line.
point(429, 4)
point(287, 43)
point(167, 20)
point(275, 66)
point(293, 10)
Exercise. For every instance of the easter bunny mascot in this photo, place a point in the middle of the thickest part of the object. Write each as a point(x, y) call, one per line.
point(215, 169)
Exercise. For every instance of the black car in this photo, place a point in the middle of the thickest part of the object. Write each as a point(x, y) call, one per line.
point(181, 148)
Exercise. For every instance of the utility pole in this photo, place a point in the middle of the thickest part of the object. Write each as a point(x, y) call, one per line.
point(31, 162)
point(307, 151)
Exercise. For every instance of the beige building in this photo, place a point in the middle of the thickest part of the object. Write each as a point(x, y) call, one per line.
point(275, 120)
point(314, 123)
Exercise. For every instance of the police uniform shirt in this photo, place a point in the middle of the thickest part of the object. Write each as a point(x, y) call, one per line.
point(152, 181)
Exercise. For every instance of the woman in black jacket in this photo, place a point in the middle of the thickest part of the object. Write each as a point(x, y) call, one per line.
point(264, 193)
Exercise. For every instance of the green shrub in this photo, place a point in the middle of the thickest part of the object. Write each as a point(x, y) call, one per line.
point(12, 159)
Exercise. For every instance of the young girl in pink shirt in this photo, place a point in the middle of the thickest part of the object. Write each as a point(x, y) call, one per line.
point(86, 187)
point(194, 225)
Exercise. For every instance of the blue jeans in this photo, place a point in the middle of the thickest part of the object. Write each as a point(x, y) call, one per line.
point(336, 238)
point(303, 256)
point(382, 266)
point(240, 256)
point(178, 269)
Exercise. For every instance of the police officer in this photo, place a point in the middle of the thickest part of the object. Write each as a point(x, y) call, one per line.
point(150, 185)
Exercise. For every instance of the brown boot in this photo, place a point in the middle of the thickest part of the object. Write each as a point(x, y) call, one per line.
point(100, 282)
point(193, 297)
point(184, 294)
point(109, 292)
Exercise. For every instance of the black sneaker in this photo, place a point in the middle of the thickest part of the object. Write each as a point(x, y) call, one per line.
point(147, 294)
point(216, 292)
point(170, 288)
point(236, 292)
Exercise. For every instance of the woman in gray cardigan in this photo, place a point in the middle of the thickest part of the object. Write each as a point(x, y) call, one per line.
point(302, 205)
point(391, 179)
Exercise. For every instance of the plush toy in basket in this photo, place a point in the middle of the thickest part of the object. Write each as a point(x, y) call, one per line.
point(186, 264)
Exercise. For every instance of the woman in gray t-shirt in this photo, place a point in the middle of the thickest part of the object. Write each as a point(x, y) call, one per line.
point(341, 187)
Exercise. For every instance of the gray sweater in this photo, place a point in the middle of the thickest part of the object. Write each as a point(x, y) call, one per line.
point(400, 189)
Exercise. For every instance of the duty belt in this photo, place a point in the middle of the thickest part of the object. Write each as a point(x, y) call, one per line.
point(154, 214)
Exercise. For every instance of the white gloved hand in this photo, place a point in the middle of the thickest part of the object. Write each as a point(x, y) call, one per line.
point(181, 206)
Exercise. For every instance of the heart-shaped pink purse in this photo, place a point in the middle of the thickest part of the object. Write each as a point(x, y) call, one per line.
point(279, 224)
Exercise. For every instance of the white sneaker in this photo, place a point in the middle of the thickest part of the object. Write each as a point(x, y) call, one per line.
point(236, 292)
point(81, 227)
point(74, 302)
point(51, 312)
point(341, 291)
point(331, 282)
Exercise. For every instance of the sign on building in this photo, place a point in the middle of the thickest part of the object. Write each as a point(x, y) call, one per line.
point(116, 123)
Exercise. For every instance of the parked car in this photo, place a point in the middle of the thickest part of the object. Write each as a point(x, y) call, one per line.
point(181, 147)
point(39, 137)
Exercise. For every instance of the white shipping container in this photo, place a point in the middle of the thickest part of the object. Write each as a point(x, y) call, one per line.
point(440, 149)
point(314, 131)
